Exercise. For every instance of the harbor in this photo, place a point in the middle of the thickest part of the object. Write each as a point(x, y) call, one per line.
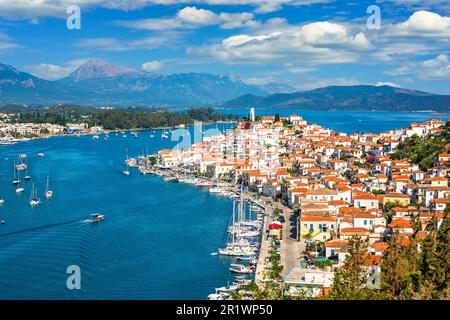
point(143, 249)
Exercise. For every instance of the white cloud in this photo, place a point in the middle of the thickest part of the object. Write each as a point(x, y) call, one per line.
point(437, 68)
point(312, 83)
point(151, 66)
point(53, 72)
point(387, 83)
point(192, 17)
point(314, 43)
point(422, 24)
point(6, 43)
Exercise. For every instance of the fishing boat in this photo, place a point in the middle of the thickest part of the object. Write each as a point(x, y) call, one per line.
point(96, 217)
point(48, 192)
point(34, 200)
point(240, 268)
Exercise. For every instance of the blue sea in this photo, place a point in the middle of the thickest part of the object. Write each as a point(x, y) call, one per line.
point(156, 240)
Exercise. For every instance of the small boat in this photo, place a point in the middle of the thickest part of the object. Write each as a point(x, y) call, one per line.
point(23, 155)
point(21, 166)
point(26, 177)
point(95, 137)
point(246, 258)
point(240, 268)
point(135, 135)
point(40, 154)
point(48, 193)
point(34, 200)
point(19, 189)
point(16, 179)
point(2, 222)
point(2, 201)
point(214, 253)
point(96, 217)
point(203, 185)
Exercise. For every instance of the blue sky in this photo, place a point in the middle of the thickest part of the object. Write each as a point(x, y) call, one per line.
point(304, 43)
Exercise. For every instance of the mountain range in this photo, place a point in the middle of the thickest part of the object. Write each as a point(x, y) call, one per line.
point(100, 83)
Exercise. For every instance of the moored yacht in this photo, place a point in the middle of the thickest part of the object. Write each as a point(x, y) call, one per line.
point(34, 200)
point(48, 193)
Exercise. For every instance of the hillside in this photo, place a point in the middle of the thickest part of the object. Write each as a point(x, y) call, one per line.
point(424, 151)
point(349, 98)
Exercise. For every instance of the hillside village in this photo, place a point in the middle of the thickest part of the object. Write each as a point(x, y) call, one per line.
point(336, 186)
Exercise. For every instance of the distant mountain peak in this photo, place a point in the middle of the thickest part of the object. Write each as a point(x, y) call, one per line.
point(98, 68)
point(8, 68)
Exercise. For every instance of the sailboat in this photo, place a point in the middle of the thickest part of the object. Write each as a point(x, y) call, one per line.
point(126, 171)
point(34, 200)
point(27, 177)
point(19, 188)
point(21, 166)
point(16, 177)
point(48, 193)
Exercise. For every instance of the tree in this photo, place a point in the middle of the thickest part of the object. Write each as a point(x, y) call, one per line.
point(350, 280)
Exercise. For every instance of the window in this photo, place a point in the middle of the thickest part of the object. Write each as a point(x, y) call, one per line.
point(311, 227)
point(332, 226)
point(365, 222)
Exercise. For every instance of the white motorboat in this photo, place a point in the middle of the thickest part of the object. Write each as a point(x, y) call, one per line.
point(2, 201)
point(96, 217)
point(40, 154)
point(240, 268)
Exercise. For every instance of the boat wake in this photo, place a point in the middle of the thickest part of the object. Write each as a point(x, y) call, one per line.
point(39, 228)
